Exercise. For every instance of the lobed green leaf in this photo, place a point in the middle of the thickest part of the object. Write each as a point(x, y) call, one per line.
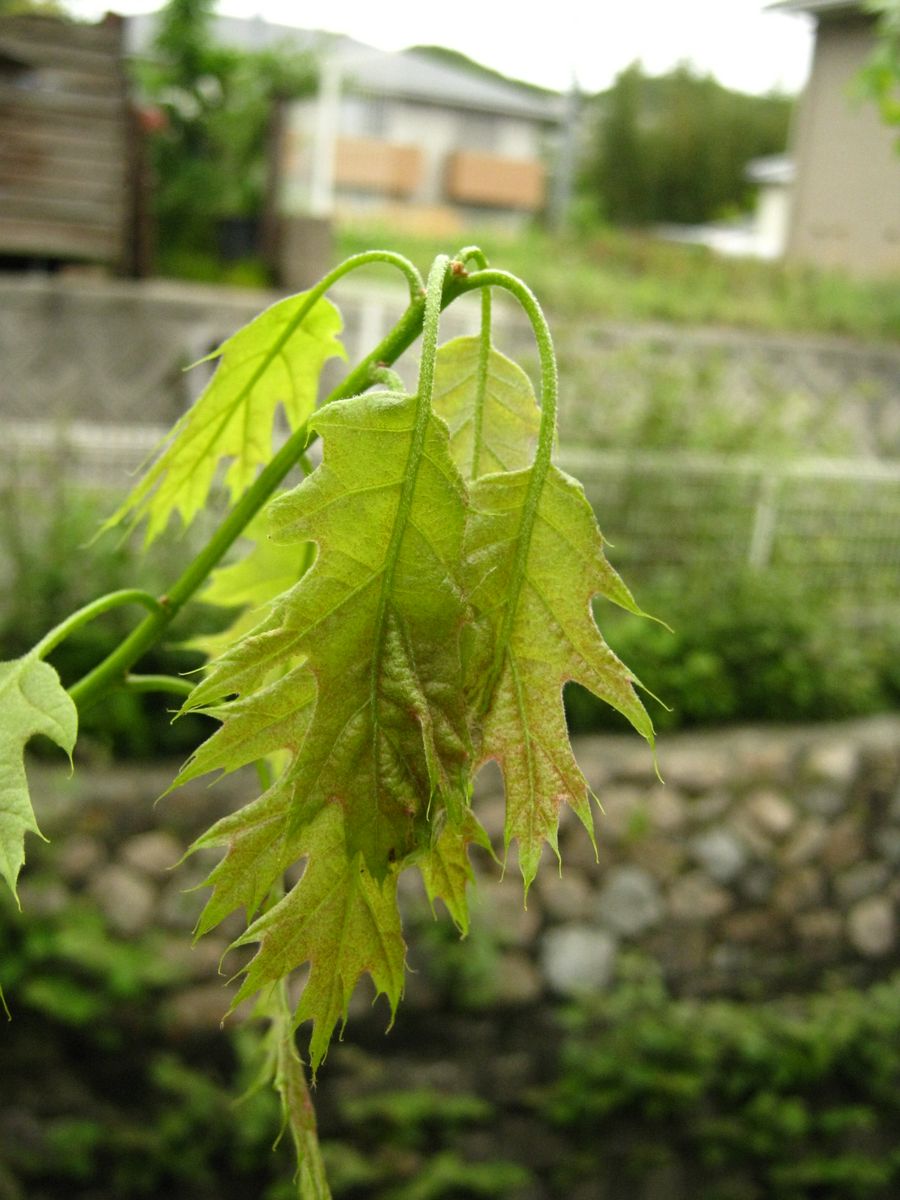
point(340, 920)
point(250, 584)
point(446, 870)
point(534, 561)
point(32, 701)
point(436, 628)
point(275, 360)
point(494, 429)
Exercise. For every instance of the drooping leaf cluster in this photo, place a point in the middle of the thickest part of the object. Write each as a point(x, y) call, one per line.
point(447, 604)
point(411, 610)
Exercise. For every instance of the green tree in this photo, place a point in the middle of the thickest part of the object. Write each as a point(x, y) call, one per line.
point(674, 147)
point(881, 75)
point(209, 155)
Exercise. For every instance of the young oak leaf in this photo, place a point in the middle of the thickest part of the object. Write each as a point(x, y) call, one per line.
point(32, 701)
point(260, 846)
point(446, 870)
point(276, 359)
point(535, 560)
point(377, 619)
point(253, 727)
point(500, 432)
point(340, 920)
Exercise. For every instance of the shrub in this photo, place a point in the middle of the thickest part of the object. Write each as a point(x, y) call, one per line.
point(789, 1101)
point(748, 647)
point(50, 568)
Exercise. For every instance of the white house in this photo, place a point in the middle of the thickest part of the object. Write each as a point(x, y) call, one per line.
point(403, 136)
point(407, 138)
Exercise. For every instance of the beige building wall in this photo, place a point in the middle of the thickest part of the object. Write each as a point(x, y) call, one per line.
point(422, 166)
point(846, 206)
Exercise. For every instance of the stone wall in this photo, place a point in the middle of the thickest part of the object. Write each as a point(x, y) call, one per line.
point(766, 862)
point(102, 351)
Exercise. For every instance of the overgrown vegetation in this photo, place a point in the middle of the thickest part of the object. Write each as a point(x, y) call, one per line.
point(749, 646)
point(210, 143)
point(613, 275)
point(42, 580)
point(104, 1090)
point(675, 147)
point(797, 1100)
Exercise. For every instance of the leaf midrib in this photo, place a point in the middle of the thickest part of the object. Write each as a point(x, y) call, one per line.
point(401, 520)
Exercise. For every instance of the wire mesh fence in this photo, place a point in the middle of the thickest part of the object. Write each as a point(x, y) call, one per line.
point(832, 523)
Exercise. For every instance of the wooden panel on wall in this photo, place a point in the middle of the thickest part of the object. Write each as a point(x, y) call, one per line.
point(486, 179)
point(65, 179)
point(377, 166)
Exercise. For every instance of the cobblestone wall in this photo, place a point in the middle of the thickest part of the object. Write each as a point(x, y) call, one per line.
point(765, 862)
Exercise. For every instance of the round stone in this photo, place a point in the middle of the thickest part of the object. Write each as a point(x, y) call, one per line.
point(629, 901)
point(577, 959)
point(871, 927)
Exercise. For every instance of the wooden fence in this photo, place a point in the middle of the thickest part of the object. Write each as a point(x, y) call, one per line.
point(67, 144)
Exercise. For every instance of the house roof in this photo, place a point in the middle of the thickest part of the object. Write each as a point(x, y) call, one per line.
point(817, 7)
point(405, 74)
point(239, 34)
point(410, 75)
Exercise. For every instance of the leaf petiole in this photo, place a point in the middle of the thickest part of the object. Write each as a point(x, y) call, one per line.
point(158, 683)
point(91, 611)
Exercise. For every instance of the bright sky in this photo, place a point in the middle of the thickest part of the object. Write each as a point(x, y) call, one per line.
point(741, 43)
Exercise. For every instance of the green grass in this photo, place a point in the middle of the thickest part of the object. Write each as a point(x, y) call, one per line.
point(615, 275)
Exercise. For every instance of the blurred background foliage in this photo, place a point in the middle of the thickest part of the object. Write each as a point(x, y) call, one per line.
point(796, 1099)
point(210, 134)
point(675, 147)
point(51, 566)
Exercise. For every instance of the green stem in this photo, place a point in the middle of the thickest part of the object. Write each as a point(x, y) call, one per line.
point(387, 378)
point(424, 389)
point(113, 668)
point(430, 324)
point(541, 465)
point(96, 608)
point(481, 379)
point(477, 255)
point(472, 252)
point(158, 683)
point(549, 378)
point(408, 269)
